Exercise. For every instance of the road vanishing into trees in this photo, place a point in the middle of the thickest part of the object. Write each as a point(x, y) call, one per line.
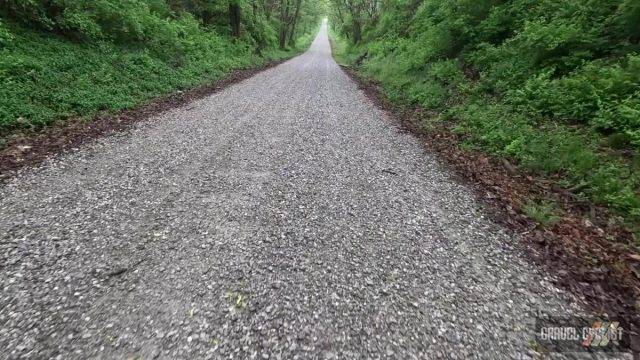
point(284, 217)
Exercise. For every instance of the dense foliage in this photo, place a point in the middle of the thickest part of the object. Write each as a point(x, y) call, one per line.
point(63, 58)
point(551, 85)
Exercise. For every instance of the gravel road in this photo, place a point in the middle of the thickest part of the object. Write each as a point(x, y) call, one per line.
point(284, 217)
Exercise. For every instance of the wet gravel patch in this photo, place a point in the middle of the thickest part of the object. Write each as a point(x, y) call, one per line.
point(285, 217)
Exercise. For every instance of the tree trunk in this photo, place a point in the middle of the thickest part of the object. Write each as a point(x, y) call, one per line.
point(295, 20)
point(283, 36)
point(234, 19)
point(357, 31)
point(284, 24)
point(340, 17)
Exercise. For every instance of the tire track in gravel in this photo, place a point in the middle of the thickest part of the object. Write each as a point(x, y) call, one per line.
point(284, 217)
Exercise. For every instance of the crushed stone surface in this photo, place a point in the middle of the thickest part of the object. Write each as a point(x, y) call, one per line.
point(285, 217)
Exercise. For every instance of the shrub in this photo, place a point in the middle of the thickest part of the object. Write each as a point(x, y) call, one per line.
point(551, 85)
point(5, 36)
point(65, 58)
point(546, 213)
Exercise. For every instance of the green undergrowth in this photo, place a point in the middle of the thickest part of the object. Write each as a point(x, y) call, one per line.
point(54, 67)
point(46, 78)
point(545, 213)
point(553, 89)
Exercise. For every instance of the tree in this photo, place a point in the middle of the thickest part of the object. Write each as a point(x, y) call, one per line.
point(353, 14)
point(294, 21)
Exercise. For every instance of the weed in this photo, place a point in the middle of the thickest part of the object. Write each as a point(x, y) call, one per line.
point(192, 311)
point(544, 212)
point(236, 299)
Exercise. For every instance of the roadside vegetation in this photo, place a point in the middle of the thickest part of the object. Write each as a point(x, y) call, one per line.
point(68, 58)
point(551, 86)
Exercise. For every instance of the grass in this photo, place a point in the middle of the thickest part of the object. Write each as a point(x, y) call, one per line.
point(545, 213)
point(237, 300)
point(46, 78)
point(573, 156)
point(551, 86)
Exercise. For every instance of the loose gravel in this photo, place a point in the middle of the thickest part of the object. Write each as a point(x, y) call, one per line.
point(282, 218)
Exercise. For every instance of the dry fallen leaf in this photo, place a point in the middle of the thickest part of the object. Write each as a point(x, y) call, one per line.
point(635, 257)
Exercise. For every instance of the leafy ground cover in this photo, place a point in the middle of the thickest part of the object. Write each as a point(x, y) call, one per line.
point(551, 87)
point(65, 59)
